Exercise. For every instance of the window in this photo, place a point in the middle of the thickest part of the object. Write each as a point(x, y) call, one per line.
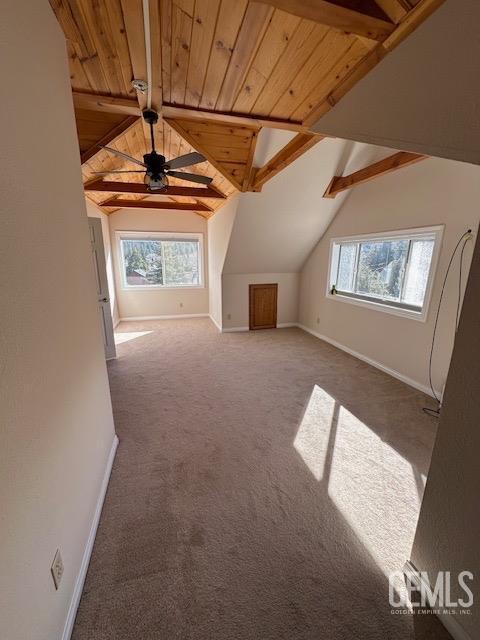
point(152, 260)
point(392, 272)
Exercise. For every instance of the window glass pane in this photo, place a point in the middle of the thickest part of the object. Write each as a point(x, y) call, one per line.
point(381, 268)
point(181, 262)
point(346, 267)
point(143, 262)
point(417, 274)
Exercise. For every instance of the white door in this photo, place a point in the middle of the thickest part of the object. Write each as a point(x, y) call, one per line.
point(100, 268)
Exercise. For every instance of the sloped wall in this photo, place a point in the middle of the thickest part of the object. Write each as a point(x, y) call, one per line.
point(219, 232)
point(275, 230)
point(429, 193)
point(448, 527)
point(424, 96)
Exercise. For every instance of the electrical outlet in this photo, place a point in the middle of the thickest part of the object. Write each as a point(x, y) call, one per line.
point(181, 304)
point(57, 569)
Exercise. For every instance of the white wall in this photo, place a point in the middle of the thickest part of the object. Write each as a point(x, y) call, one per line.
point(158, 302)
point(429, 193)
point(93, 211)
point(448, 528)
point(219, 230)
point(55, 412)
point(270, 142)
point(276, 229)
point(424, 95)
point(236, 297)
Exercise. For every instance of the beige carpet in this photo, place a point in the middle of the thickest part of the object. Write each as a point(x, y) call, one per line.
point(264, 486)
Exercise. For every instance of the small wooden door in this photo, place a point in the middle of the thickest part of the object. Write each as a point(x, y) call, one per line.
point(263, 306)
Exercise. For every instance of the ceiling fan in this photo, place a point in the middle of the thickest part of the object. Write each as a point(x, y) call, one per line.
point(155, 166)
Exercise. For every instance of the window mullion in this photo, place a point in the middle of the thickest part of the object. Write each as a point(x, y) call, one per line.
point(405, 271)
point(163, 265)
point(357, 260)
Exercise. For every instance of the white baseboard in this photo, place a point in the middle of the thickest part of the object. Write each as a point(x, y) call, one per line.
point(77, 591)
point(175, 317)
point(373, 363)
point(449, 622)
point(215, 323)
point(283, 325)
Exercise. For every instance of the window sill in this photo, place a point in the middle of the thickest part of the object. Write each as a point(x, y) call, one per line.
point(160, 288)
point(380, 306)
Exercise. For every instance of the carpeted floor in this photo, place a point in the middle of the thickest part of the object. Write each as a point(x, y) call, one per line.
point(265, 485)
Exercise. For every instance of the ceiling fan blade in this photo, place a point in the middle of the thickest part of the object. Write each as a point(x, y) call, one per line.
point(186, 161)
point(191, 177)
point(107, 173)
point(123, 155)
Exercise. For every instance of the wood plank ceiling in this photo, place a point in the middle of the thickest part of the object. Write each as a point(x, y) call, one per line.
point(218, 70)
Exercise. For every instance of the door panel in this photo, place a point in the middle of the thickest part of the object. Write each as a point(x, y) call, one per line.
point(100, 270)
point(263, 306)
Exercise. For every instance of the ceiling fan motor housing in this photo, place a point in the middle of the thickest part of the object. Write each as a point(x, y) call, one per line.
point(155, 172)
point(155, 163)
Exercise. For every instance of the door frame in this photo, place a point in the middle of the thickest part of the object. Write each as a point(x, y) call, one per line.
point(251, 293)
point(99, 266)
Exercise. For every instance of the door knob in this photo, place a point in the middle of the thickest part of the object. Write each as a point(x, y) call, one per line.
point(103, 300)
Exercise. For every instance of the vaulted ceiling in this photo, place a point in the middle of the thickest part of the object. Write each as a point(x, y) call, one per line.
point(218, 71)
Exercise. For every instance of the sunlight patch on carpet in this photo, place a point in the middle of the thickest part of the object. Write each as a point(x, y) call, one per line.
point(121, 337)
point(313, 435)
point(369, 481)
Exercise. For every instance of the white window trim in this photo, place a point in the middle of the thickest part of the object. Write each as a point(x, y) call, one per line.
point(158, 235)
point(387, 235)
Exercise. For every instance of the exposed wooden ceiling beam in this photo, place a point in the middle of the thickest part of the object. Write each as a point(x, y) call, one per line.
point(249, 165)
point(337, 17)
point(107, 104)
point(396, 10)
point(410, 22)
point(140, 188)
point(155, 55)
point(301, 143)
point(135, 32)
point(233, 119)
point(155, 204)
point(420, 12)
point(109, 138)
point(129, 106)
point(387, 165)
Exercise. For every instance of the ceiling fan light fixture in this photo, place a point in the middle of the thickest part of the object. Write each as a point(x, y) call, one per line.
point(156, 183)
point(140, 85)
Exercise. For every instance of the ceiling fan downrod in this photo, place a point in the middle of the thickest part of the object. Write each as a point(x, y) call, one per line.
point(155, 176)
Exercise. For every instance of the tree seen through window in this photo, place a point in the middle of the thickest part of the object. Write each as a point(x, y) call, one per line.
point(161, 262)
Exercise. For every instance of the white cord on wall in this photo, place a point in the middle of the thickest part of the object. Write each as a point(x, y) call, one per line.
point(465, 238)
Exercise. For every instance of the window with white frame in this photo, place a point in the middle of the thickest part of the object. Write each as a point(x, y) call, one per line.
point(152, 260)
point(393, 271)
